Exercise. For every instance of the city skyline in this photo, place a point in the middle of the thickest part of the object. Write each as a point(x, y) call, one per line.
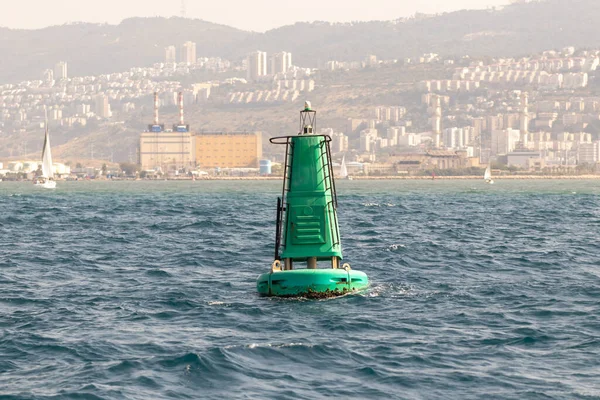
point(280, 13)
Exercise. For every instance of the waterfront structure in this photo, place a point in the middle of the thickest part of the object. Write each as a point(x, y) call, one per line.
point(166, 151)
point(228, 149)
point(265, 167)
point(588, 153)
point(446, 159)
point(525, 159)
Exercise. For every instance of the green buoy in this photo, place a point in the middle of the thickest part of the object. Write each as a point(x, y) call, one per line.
point(307, 229)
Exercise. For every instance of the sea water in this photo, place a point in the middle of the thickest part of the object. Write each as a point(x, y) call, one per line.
point(146, 290)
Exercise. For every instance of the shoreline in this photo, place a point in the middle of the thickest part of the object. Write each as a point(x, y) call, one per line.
point(354, 178)
point(427, 178)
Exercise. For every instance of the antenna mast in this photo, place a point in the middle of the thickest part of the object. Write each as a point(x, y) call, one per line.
point(183, 9)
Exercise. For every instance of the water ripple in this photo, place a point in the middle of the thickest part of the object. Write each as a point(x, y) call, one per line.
point(145, 290)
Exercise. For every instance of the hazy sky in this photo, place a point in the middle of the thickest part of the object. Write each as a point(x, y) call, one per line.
point(258, 15)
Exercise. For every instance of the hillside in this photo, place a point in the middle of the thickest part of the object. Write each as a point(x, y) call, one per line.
point(95, 49)
point(514, 30)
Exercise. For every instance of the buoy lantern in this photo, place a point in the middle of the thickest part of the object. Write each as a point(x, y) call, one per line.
point(307, 230)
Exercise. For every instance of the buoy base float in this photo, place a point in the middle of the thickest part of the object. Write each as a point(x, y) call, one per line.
point(311, 283)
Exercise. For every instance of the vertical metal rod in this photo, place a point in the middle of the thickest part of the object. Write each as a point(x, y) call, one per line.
point(278, 229)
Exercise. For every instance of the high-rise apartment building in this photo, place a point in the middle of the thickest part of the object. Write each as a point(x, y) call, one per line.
point(170, 54)
point(60, 71)
point(49, 77)
point(504, 140)
point(257, 65)
point(339, 142)
point(102, 106)
point(280, 62)
point(188, 53)
point(368, 138)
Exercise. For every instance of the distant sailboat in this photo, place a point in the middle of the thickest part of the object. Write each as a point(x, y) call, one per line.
point(344, 169)
point(47, 179)
point(487, 176)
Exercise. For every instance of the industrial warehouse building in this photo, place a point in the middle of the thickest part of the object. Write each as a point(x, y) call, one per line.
point(177, 149)
point(228, 150)
point(168, 151)
point(184, 150)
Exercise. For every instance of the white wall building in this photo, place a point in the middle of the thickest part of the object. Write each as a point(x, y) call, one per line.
point(367, 140)
point(170, 54)
point(188, 53)
point(61, 71)
point(504, 140)
point(257, 65)
point(280, 63)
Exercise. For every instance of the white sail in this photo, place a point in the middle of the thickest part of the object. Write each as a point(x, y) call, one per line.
point(47, 157)
point(343, 169)
point(488, 174)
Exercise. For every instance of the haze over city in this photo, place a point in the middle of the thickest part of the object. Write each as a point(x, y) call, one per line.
point(257, 16)
point(268, 199)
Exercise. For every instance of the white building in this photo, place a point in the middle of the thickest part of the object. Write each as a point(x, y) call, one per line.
point(30, 166)
point(409, 140)
point(102, 108)
point(257, 65)
point(454, 138)
point(523, 159)
point(588, 153)
point(170, 54)
point(60, 71)
point(280, 63)
point(367, 140)
point(339, 142)
point(188, 53)
point(504, 140)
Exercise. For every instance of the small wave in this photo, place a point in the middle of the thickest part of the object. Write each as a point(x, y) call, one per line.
point(217, 303)
point(395, 247)
point(158, 273)
point(272, 345)
point(388, 290)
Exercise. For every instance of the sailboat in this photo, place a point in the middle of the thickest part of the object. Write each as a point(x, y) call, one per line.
point(344, 170)
point(487, 176)
point(46, 180)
